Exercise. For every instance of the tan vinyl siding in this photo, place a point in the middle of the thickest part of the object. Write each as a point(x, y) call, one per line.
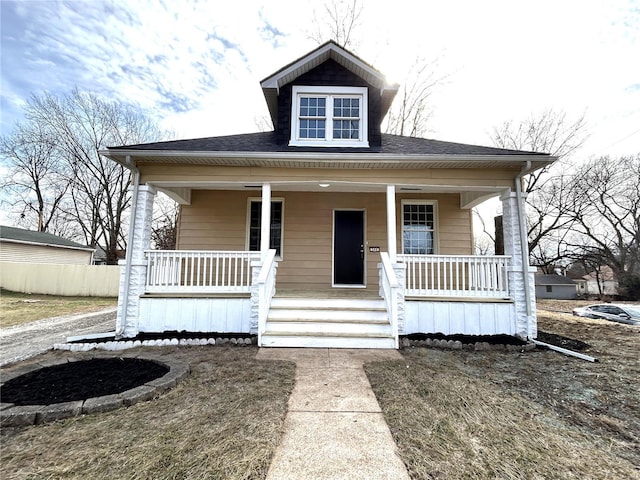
point(22, 252)
point(217, 220)
point(462, 177)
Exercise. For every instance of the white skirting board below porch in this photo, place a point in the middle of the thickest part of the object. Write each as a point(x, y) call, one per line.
point(466, 318)
point(159, 314)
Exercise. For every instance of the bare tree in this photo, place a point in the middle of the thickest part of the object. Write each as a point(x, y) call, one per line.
point(74, 129)
point(164, 227)
point(548, 203)
point(338, 21)
point(548, 132)
point(605, 198)
point(411, 110)
point(37, 182)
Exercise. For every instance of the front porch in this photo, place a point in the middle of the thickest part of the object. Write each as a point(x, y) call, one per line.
point(224, 291)
point(294, 295)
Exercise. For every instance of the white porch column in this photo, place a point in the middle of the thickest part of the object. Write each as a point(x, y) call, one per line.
point(391, 223)
point(133, 279)
point(265, 225)
point(526, 324)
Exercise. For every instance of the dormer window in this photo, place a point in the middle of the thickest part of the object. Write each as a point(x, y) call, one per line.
point(329, 116)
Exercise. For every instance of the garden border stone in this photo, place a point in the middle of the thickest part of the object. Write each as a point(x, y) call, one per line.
point(22, 416)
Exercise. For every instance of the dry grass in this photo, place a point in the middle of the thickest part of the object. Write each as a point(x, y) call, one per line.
point(223, 421)
point(19, 308)
point(509, 415)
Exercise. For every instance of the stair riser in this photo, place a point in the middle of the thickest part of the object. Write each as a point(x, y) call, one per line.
point(312, 328)
point(326, 342)
point(331, 316)
point(305, 303)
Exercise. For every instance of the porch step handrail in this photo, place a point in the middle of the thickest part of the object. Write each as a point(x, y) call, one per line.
point(199, 271)
point(266, 285)
point(389, 286)
point(456, 275)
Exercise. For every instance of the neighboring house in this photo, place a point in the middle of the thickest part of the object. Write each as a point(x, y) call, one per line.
point(19, 245)
point(555, 286)
point(602, 282)
point(364, 236)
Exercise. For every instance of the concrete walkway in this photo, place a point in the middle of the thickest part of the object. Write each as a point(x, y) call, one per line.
point(24, 341)
point(334, 426)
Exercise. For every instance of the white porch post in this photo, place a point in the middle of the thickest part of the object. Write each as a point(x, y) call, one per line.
point(128, 315)
point(391, 223)
point(265, 225)
point(526, 325)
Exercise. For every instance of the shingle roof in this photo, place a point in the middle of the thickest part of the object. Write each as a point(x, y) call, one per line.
point(548, 279)
point(266, 142)
point(29, 236)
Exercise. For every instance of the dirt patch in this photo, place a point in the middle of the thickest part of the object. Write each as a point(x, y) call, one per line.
point(80, 380)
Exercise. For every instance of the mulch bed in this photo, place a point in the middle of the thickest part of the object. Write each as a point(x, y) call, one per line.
point(142, 336)
point(80, 380)
point(560, 341)
point(469, 339)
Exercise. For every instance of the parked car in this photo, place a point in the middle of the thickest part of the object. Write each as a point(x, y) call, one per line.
point(629, 314)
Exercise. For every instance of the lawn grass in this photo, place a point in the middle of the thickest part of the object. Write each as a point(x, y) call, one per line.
point(19, 308)
point(540, 414)
point(223, 421)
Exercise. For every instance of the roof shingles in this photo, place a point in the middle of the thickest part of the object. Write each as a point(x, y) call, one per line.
point(266, 142)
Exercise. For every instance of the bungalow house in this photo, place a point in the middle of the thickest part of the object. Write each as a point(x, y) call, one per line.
point(326, 232)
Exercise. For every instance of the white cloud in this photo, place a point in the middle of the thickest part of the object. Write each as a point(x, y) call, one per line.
point(196, 66)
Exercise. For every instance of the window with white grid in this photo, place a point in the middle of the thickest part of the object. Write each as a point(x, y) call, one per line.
point(329, 116)
point(418, 228)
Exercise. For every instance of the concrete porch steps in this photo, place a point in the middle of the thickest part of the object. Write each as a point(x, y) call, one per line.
point(328, 323)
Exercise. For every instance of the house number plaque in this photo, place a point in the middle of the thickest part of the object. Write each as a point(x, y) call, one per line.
point(374, 249)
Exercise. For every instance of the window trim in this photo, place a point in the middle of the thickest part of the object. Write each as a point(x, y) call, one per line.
point(299, 91)
point(436, 226)
point(248, 224)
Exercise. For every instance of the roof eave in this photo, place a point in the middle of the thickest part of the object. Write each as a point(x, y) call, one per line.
point(119, 155)
point(42, 244)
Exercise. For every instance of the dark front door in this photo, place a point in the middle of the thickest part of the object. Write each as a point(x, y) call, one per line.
point(348, 247)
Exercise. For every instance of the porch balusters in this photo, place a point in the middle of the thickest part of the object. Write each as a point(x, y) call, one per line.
point(194, 271)
point(456, 275)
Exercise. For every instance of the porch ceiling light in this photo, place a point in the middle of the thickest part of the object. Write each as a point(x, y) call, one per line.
point(324, 185)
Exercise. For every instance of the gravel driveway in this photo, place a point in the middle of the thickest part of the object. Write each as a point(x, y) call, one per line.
point(24, 341)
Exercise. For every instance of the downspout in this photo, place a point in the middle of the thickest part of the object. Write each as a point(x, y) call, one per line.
point(129, 254)
point(524, 242)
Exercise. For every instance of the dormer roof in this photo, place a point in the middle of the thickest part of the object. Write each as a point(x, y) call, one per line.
point(329, 50)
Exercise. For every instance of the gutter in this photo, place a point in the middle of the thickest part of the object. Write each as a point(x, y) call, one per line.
point(129, 255)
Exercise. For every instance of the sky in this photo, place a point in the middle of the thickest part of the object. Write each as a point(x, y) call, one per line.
point(195, 66)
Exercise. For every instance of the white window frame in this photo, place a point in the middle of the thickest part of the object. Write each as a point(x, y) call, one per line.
point(248, 225)
point(436, 228)
point(329, 93)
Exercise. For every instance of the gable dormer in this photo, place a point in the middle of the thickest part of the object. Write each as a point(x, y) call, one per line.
point(328, 98)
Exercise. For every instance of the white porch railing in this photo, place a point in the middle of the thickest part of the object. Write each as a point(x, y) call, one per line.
point(456, 275)
point(199, 271)
point(266, 287)
point(389, 289)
